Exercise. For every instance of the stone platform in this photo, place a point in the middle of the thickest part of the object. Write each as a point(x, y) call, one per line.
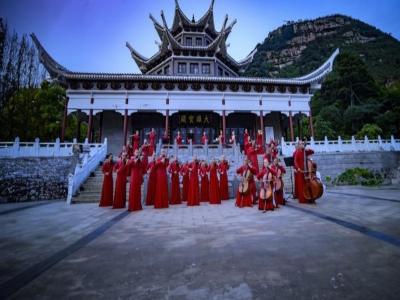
point(345, 247)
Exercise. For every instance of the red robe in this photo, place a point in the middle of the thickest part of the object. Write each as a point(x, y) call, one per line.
point(245, 139)
point(120, 185)
point(204, 189)
point(129, 151)
point(204, 139)
point(215, 197)
point(135, 141)
point(263, 204)
point(279, 199)
point(174, 169)
point(151, 184)
point(145, 154)
point(193, 192)
point(135, 188)
point(178, 140)
point(252, 156)
point(223, 179)
point(299, 176)
point(259, 142)
point(243, 200)
point(161, 186)
point(107, 189)
point(221, 139)
point(152, 142)
point(295, 174)
point(185, 181)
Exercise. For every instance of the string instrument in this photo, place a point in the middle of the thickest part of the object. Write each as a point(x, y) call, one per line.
point(244, 184)
point(279, 182)
point(266, 190)
point(313, 188)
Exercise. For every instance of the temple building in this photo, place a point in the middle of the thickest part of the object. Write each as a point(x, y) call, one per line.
point(190, 84)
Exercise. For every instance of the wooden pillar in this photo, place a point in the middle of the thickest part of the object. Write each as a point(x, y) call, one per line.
point(311, 125)
point(78, 125)
point(299, 127)
point(64, 121)
point(126, 127)
point(291, 126)
point(90, 124)
point(223, 125)
point(167, 122)
point(262, 126)
point(101, 126)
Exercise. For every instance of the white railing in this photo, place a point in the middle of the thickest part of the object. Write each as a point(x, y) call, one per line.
point(207, 151)
point(35, 149)
point(89, 162)
point(340, 145)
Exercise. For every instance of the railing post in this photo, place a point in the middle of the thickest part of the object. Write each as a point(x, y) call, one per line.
point(340, 143)
point(70, 188)
point(312, 142)
point(220, 148)
point(36, 147)
point(158, 147)
point(392, 143)
point(105, 146)
point(175, 149)
point(366, 144)
point(326, 144)
point(190, 147)
point(56, 151)
point(353, 144)
point(15, 148)
point(205, 148)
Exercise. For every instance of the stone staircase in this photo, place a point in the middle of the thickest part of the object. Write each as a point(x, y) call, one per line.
point(90, 191)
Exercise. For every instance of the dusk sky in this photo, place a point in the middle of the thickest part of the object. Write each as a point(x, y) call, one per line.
point(90, 35)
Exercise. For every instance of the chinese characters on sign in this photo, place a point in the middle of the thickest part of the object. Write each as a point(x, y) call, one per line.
point(193, 119)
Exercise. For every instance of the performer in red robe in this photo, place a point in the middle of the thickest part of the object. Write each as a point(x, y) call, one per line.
point(263, 175)
point(152, 141)
point(185, 181)
point(260, 142)
point(129, 150)
point(247, 145)
point(252, 155)
point(135, 167)
point(178, 138)
point(245, 138)
point(215, 197)
point(151, 181)
point(204, 182)
point(279, 171)
point(299, 171)
point(232, 140)
point(145, 153)
point(174, 168)
point(223, 168)
point(295, 174)
point(204, 138)
point(246, 199)
point(120, 183)
point(221, 137)
point(136, 140)
point(107, 189)
point(193, 192)
point(161, 194)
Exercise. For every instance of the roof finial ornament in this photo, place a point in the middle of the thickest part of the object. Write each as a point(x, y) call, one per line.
point(193, 20)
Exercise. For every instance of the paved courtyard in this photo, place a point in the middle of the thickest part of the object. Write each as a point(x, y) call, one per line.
point(345, 247)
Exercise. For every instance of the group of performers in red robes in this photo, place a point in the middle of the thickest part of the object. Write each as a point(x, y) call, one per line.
point(192, 182)
point(198, 181)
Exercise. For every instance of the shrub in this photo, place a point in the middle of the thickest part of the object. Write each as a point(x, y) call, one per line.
point(356, 176)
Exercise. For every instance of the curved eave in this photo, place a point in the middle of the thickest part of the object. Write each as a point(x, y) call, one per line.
point(54, 68)
point(319, 74)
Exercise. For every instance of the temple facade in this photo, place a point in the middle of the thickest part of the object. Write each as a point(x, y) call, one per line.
point(191, 84)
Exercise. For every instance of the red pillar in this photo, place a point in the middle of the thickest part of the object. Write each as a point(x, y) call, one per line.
point(291, 126)
point(311, 125)
point(101, 126)
point(125, 127)
point(262, 125)
point(90, 124)
point(167, 122)
point(223, 125)
point(64, 121)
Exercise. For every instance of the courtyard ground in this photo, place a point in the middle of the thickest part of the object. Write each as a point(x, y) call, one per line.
point(345, 247)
